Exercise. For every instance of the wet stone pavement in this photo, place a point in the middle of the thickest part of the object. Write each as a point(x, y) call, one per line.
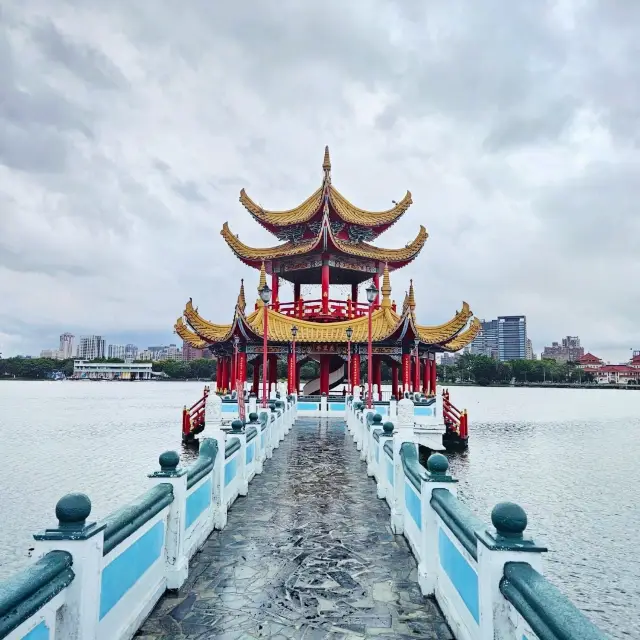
point(308, 553)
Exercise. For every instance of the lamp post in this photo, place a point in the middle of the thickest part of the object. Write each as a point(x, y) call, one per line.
point(349, 333)
point(265, 296)
point(294, 373)
point(234, 383)
point(372, 294)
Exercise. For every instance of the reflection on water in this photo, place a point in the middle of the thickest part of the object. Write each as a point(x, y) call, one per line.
point(569, 457)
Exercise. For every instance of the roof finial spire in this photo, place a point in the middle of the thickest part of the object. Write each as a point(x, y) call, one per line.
point(386, 287)
point(261, 283)
point(326, 163)
point(242, 303)
point(411, 300)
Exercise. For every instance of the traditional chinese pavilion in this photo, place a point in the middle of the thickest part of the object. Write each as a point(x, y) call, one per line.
point(326, 241)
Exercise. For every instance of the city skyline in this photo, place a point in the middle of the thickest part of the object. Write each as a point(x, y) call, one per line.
point(113, 199)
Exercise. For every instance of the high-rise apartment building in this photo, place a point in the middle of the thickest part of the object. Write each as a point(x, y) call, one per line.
point(130, 352)
point(190, 353)
point(91, 347)
point(569, 351)
point(66, 346)
point(486, 342)
point(512, 338)
point(116, 351)
point(529, 351)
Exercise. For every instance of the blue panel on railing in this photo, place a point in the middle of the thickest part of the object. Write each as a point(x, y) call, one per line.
point(197, 502)
point(383, 410)
point(308, 406)
point(390, 472)
point(423, 411)
point(230, 408)
point(250, 452)
point(39, 632)
point(230, 471)
point(460, 572)
point(336, 406)
point(127, 568)
point(413, 503)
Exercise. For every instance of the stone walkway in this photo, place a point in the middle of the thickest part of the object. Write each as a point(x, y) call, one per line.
point(307, 554)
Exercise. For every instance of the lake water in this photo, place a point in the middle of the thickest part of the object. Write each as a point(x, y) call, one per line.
point(570, 457)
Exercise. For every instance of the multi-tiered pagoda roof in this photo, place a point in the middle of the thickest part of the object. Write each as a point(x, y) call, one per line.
point(326, 229)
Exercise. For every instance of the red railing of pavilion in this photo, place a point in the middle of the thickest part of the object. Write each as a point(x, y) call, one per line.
point(193, 417)
point(455, 419)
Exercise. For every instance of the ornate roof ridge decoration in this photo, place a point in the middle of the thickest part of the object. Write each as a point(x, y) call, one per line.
point(464, 338)
point(265, 253)
point(362, 250)
point(242, 302)
point(189, 336)
point(386, 287)
point(445, 332)
point(311, 206)
point(205, 329)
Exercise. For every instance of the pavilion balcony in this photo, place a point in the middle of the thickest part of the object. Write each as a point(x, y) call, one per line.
point(313, 309)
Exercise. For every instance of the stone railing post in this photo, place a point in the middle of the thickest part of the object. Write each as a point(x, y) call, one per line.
point(237, 431)
point(376, 423)
point(176, 561)
point(381, 475)
point(403, 433)
point(506, 543)
point(260, 453)
point(85, 542)
point(273, 426)
point(324, 409)
point(435, 478)
point(393, 408)
point(264, 415)
point(253, 403)
point(213, 429)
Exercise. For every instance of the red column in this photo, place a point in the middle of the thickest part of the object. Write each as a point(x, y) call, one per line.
point(406, 371)
point(354, 292)
point(425, 376)
point(416, 381)
point(256, 376)
point(291, 373)
point(297, 382)
point(394, 377)
point(234, 375)
point(434, 378)
point(377, 375)
point(324, 374)
point(218, 373)
point(242, 368)
point(355, 369)
point(275, 295)
point(325, 285)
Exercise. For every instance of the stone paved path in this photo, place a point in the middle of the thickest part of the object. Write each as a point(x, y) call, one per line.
point(307, 554)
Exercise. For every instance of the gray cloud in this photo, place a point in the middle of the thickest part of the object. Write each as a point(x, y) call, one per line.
point(127, 130)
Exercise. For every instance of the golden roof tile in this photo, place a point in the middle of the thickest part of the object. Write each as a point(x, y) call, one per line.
point(188, 336)
point(302, 213)
point(350, 213)
point(464, 338)
point(205, 329)
point(444, 332)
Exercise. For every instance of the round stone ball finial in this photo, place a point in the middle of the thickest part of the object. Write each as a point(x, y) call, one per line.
point(169, 461)
point(437, 463)
point(377, 418)
point(387, 427)
point(509, 519)
point(253, 417)
point(237, 425)
point(73, 510)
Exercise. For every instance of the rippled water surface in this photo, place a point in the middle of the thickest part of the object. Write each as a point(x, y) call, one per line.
point(569, 457)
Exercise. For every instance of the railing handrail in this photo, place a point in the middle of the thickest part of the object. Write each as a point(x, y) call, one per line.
point(24, 593)
point(128, 519)
point(205, 462)
point(551, 615)
point(459, 518)
point(413, 470)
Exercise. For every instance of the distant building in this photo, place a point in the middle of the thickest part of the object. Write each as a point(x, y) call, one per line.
point(529, 351)
point(66, 345)
point(130, 352)
point(569, 351)
point(486, 342)
point(449, 359)
point(589, 363)
point(512, 338)
point(83, 369)
point(190, 353)
point(53, 354)
point(91, 348)
point(116, 351)
point(145, 354)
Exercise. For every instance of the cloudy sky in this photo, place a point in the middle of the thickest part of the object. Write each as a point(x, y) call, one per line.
point(127, 130)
